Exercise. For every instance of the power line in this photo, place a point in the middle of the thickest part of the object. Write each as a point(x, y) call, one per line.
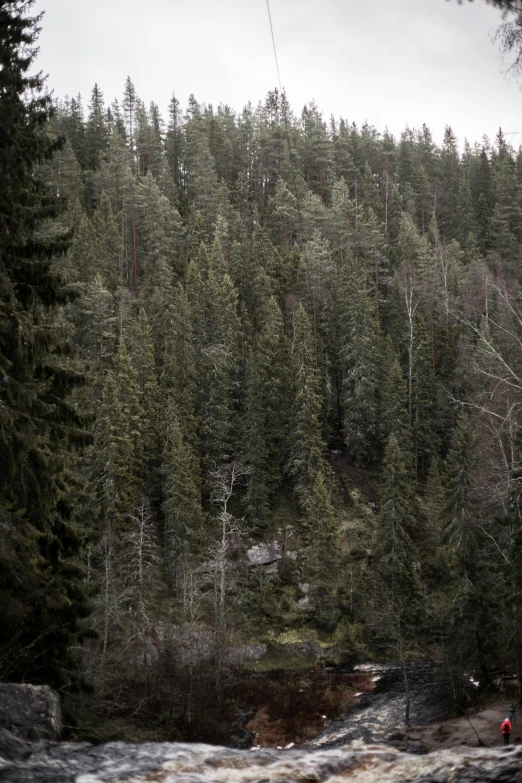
point(273, 43)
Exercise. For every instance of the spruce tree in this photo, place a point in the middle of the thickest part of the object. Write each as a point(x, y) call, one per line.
point(117, 444)
point(395, 418)
point(149, 402)
point(266, 413)
point(41, 594)
point(307, 447)
point(219, 367)
point(459, 528)
point(397, 527)
point(322, 566)
point(361, 358)
point(96, 135)
point(424, 398)
point(185, 533)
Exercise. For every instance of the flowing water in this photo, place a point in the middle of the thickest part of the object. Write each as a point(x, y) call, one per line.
point(186, 763)
point(381, 712)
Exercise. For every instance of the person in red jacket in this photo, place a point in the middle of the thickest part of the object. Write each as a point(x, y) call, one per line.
point(505, 728)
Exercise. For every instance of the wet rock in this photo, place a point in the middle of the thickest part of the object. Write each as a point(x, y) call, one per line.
point(396, 735)
point(416, 747)
point(13, 748)
point(241, 737)
point(30, 711)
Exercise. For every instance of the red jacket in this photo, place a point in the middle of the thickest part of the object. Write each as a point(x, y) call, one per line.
point(506, 727)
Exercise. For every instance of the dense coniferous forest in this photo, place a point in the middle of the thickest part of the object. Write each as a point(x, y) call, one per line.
point(227, 329)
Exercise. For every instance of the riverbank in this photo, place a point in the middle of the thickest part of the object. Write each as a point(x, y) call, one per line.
point(482, 729)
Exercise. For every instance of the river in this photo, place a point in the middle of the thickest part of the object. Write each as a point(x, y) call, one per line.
point(381, 712)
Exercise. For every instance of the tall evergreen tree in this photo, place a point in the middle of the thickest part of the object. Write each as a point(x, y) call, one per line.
point(459, 528)
point(361, 359)
point(321, 556)
point(41, 597)
point(185, 533)
point(398, 527)
point(267, 412)
point(307, 447)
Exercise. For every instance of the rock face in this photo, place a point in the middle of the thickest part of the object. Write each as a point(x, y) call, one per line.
point(31, 712)
point(264, 554)
point(46, 762)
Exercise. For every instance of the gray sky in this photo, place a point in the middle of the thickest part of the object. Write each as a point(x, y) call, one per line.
point(391, 62)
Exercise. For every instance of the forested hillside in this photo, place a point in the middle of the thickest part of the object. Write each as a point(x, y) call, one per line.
point(273, 329)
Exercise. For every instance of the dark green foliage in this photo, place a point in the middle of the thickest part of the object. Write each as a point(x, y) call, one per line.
point(361, 360)
point(185, 534)
point(459, 528)
point(398, 527)
point(266, 413)
point(321, 556)
point(307, 448)
point(41, 586)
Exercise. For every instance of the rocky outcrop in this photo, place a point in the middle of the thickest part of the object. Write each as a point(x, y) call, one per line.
point(30, 712)
point(192, 763)
point(268, 554)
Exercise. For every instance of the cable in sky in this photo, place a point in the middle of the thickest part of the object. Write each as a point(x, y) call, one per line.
point(273, 42)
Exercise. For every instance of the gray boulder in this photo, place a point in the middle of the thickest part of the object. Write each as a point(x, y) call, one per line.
point(264, 554)
point(31, 712)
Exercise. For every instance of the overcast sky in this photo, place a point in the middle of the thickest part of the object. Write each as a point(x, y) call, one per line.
point(390, 62)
